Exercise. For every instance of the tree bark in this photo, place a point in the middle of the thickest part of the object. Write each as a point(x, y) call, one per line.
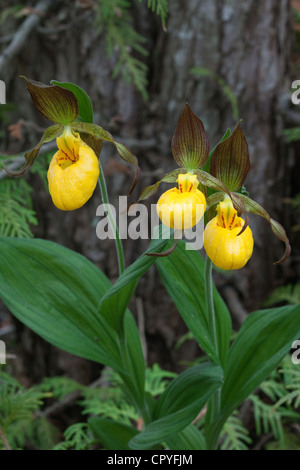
point(247, 44)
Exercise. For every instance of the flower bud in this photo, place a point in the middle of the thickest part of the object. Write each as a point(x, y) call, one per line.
point(73, 172)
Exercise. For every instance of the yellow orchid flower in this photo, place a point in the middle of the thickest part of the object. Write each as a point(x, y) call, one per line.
point(73, 172)
point(224, 243)
point(182, 208)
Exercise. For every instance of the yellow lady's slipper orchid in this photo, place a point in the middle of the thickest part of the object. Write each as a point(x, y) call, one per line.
point(182, 208)
point(73, 172)
point(223, 245)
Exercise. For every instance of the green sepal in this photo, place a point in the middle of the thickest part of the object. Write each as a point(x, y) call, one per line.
point(207, 164)
point(190, 144)
point(230, 161)
point(170, 177)
point(55, 103)
point(50, 134)
point(99, 133)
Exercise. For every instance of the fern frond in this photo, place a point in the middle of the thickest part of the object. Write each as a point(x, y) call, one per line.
point(289, 294)
point(273, 389)
point(115, 20)
point(228, 92)
point(8, 12)
point(160, 7)
point(236, 436)
point(60, 387)
point(157, 380)
point(17, 409)
point(77, 437)
point(108, 403)
point(267, 419)
point(292, 396)
point(291, 135)
point(16, 213)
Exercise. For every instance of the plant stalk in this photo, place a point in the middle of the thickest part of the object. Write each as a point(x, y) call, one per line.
point(215, 401)
point(111, 219)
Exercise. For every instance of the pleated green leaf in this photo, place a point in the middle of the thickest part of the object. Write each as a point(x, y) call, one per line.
point(191, 438)
point(264, 339)
point(55, 292)
point(182, 273)
point(111, 434)
point(114, 303)
point(179, 404)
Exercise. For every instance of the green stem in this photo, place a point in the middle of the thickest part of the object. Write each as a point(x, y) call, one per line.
point(215, 401)
point(112, 221)
point(136, 400)
point(210, 303)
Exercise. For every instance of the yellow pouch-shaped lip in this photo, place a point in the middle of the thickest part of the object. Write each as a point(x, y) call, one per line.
point(222, 242)
point(73, 172)
point(183, 207)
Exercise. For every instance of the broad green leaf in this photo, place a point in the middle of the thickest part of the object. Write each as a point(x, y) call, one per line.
point(50, 134)
point(191, 438)
point(230, 162)
point(55, 292)
point(133, 359)
point(183, 276)
point(111, 434)
point(190, 144)
point(179, 404)
point(264, 339)
point(53, 102)
point(114, 303)
point(85, 107)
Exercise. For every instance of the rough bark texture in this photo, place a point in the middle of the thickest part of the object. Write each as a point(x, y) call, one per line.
point(247, 44)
